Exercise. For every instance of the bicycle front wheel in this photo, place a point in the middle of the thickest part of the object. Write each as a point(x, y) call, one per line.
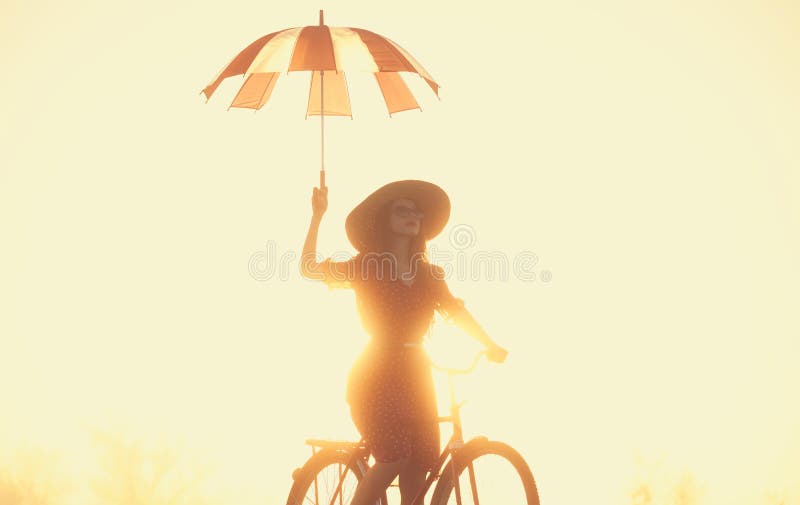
point(486, 472)
point(329, 478)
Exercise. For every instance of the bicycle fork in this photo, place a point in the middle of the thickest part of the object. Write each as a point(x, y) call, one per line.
point(457, 443)
point(472, 484)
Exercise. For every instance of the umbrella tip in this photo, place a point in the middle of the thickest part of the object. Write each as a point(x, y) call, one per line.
point(321, 17)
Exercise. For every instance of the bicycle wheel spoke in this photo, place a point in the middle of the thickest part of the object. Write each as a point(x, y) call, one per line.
point(495, 479)
point(341, 474)
point(325, 489)
point(491, 473)
point(340, 489)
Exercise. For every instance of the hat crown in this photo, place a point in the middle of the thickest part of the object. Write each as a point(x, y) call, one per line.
point(361, 226)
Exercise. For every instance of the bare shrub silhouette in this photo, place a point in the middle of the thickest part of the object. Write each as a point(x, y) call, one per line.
point(10, 492)
point(132, 473)
point(687, 490)
point(35, 478)
point(656, 484)
point(776, 498)
point(642, 494)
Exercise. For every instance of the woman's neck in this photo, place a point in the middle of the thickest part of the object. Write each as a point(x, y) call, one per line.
point(399, 248)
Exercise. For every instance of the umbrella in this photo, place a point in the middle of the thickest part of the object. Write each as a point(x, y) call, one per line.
point(327, 52)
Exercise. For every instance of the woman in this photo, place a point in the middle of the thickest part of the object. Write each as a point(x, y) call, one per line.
point(390, 387)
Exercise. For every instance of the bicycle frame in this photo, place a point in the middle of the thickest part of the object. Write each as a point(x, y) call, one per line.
point(453, 445)
point(450, 449)
point(448, 453)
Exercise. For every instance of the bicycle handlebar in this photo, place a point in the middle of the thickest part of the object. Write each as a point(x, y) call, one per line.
point(461, 371)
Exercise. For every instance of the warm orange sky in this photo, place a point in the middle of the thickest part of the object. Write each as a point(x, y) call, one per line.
point(647, 154)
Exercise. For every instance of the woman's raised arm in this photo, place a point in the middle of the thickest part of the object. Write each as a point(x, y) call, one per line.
point(309, 266)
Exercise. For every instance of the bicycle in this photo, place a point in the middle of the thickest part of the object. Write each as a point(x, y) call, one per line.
point(331, 474)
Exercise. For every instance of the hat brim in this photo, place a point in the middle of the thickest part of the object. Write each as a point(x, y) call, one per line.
point(429, 198)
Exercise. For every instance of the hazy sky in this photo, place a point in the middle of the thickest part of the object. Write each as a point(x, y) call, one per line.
point(645, 153)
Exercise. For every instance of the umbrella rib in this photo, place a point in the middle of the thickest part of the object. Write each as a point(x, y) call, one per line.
point(386, 98)
point(236, 63)
point(347, 92)
point(270, 85)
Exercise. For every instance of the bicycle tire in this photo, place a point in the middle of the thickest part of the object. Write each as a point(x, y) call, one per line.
point(478, 451)
point(326, 466)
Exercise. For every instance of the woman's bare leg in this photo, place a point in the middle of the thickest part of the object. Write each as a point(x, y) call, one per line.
point(412, 480)
point(376, 480)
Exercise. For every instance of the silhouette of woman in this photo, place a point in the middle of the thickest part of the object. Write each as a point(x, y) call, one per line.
point(390, 387)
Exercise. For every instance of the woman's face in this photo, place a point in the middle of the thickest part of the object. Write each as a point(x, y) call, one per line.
point(405, 218)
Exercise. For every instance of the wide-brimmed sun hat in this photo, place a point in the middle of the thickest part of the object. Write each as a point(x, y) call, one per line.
point(428, 197)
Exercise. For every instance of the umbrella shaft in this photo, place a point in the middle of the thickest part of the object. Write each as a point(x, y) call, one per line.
point(322, 125)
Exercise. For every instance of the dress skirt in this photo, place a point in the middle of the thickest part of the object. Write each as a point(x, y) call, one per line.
point(393, 404)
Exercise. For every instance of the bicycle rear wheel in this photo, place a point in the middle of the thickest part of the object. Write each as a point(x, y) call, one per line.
point(329, 477)
point(489, 473)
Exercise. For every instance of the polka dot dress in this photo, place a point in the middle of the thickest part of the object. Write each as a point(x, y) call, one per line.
point(390, 388)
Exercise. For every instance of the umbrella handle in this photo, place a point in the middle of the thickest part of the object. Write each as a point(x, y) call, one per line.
point(322, 179)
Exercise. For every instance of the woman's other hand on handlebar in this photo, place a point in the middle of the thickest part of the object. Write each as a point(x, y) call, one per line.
point(496, 354)
point(319, 201)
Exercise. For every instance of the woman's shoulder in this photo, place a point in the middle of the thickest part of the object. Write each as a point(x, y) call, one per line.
point(341, 273)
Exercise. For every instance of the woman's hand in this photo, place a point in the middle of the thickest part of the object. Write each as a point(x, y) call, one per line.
point(495, 353)
point(319, 201)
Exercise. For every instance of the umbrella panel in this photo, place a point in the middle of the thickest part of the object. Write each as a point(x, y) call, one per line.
point(336, 97)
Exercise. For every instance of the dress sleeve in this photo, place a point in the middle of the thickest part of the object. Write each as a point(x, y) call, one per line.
point(340, 274)
point(445, 303)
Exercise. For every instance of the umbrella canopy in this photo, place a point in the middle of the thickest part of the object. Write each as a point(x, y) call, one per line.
point(327, 52)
